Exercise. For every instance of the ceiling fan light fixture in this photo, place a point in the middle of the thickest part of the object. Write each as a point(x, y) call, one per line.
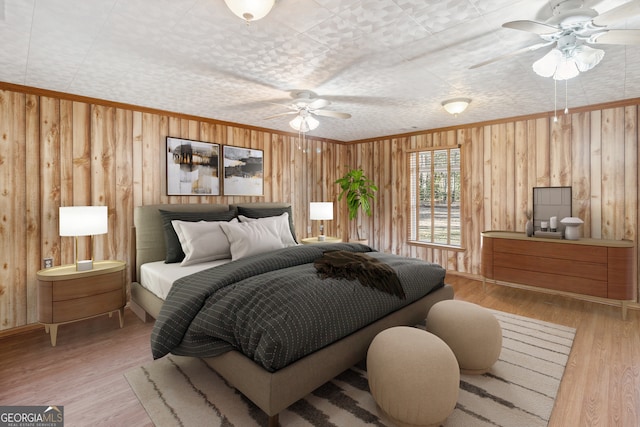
point(587, 57)
point(546, 66)
point(304, 124)
point(456, 106)
point(250, 10)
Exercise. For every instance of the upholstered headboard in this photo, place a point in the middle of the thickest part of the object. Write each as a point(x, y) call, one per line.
point(147, 237)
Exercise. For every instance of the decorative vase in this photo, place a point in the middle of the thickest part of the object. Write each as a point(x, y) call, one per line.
point(529, 228)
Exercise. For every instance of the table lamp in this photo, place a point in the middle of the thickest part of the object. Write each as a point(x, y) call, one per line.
point(83, 221)
point(319, 211)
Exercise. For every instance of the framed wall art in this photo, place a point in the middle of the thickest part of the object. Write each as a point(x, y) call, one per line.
point(243, 171)
point(193, 168)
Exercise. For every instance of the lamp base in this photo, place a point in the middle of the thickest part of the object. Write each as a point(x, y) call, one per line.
point(321, 238)
point(84, 265)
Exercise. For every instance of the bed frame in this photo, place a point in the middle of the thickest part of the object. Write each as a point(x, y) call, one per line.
point(270, 391)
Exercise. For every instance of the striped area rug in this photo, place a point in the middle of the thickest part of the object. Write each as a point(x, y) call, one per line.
point(518, 391)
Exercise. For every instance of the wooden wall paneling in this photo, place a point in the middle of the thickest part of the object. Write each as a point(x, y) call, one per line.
point(630, 218)
point(177, 128)
point(123, 207)
point(137, 159)
point(103, 171)
point(267, 165)
point(560, 152)
point(581, 170)
point(66, 181)
point(13, 292)
point(542, 153)
point(277, 166)
point(50, 178)
point(612, 180)
point(311, 185)
point(162, 129)
point(397, 213)
point(532, 176)
point(521, 152)
point(499, 177)
point(487, 179)
point(29, 114)
point(81, 171)
point(595, 196)
point(385, 206)
point(508, 137)
point(343, 152)
point(150, 172)
point(472, 196)
point(15, 214)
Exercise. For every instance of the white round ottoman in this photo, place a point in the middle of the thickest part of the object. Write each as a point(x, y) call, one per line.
point(413, 376)
point(472, 332)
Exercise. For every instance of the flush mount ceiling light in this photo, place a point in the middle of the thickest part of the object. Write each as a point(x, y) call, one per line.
point(456, 106)
point(568, 59)
point(250, 10)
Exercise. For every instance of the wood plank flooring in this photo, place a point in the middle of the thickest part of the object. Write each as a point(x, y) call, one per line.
point(600, 387)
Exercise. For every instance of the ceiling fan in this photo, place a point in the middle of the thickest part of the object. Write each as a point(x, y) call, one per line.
point(305, 105)
point(570, 30)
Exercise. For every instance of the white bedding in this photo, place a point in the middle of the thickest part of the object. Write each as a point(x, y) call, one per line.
point(158, 277)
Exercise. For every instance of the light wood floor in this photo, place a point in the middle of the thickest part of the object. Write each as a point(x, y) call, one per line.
point(600, 387)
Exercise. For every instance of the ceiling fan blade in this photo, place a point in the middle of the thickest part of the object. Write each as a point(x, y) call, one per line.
point(626, 37)
point(318, 103)
point(280, 115)
point(329, 113)
point(510, 54)
point(289, 106)
point(616, 14)
point(531, 27)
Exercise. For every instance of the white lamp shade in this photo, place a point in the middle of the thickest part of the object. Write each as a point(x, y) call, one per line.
point(250, 10)
point(83, 220)
point(320, 210)
point(304, 124)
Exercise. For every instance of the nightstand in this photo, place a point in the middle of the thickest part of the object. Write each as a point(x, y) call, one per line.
point(66, 295)
point(314, 240)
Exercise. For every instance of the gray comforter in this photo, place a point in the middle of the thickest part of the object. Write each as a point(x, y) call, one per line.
point(275, 309)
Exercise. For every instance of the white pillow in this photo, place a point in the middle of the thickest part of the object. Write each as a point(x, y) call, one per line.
point(202, 241)
point(281, 226)
point(251, 238)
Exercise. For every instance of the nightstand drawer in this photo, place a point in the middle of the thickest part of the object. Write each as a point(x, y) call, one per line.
point(73, 309)
point(85, 287)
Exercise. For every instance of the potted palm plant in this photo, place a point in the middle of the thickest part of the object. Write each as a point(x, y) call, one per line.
point(359, 191)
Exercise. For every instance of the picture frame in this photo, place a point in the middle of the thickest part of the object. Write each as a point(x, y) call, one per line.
point(193, 167)
point(243, 171)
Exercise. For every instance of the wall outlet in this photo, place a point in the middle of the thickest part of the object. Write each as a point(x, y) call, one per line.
point(47, 262)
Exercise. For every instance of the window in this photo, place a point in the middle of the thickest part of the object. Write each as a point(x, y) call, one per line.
point(435, 196)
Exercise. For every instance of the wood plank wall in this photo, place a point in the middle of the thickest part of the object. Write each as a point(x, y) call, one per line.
point(593, 151)
point(59, 151)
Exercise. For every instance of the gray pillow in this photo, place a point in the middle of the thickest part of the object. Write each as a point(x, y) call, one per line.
point(174, 249)
point(267, 212)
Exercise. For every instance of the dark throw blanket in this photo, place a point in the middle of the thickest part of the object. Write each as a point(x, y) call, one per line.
point(367, 270)
point(273, 307)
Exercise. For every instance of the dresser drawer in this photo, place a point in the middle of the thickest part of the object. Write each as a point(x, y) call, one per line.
point(85, 287)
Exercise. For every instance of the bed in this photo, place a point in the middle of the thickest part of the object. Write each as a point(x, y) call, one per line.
point(271, 390)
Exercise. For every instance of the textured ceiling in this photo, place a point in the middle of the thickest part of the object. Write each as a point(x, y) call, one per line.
point(389, 63)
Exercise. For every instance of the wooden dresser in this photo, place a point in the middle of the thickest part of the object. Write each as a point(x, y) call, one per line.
point(586, 267)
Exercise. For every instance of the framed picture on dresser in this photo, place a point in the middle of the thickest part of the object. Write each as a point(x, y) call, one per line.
point(193, 168)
